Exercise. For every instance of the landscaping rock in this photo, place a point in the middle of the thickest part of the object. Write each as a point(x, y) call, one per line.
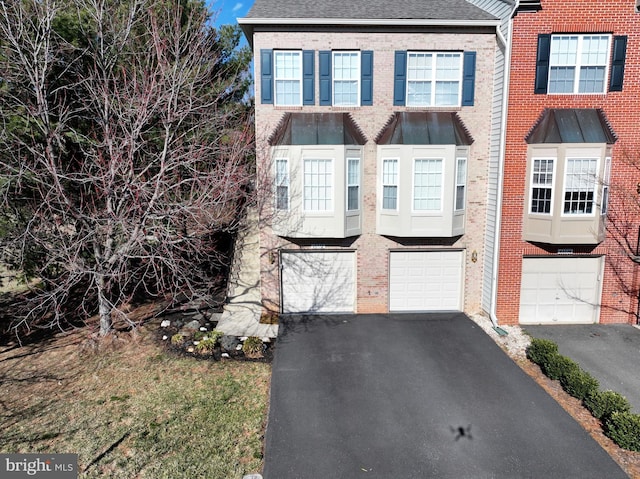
point(229, 343)
point(191, 326)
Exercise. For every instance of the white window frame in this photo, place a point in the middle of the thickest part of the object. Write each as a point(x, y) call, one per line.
point(533, 184)
point(335, 80)
point(579, 63)
point(605, 186)
point(326, 200)
point(353, 185)
point(282, 181)
point(389, 184)
point(594, 180)
point(461, 182)
point(292, 78)
point(433, 77)
point(441, 186)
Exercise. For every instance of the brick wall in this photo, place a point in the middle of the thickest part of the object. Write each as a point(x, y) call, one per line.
point(616, 17)
point(372, 250)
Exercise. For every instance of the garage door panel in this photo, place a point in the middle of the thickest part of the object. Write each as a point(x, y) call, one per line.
point(560, 290)
point(425, 280)
point(319, 282)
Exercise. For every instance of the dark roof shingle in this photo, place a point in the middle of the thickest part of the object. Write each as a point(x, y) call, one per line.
point(368, 10)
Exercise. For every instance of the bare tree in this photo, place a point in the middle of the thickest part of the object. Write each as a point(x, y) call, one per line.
point(126, 152)
point(623, 227)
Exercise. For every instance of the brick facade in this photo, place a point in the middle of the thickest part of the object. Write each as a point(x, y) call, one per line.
point(372, 250)
point(616, 17)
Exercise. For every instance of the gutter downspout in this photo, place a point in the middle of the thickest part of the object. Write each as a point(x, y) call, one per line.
point(503, 139)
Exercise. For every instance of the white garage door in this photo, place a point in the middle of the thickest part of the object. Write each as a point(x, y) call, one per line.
point(425, 280)
point(560, 290)
point(318, 282)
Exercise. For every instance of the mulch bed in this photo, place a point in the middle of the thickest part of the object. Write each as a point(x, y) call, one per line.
point(629, 461)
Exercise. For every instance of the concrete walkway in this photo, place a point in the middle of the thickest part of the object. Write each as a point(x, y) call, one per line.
point(241, 314)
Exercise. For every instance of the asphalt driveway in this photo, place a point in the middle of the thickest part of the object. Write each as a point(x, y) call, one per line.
point(610, 352)
point(413, 396)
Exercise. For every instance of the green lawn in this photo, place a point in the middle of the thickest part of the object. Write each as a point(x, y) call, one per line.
point(133, 410)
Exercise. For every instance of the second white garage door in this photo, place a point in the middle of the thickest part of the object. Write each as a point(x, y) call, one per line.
point(560, 290)
point(425, 280)
point(318, 282)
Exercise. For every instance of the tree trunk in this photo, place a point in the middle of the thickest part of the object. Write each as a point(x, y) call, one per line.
point(104, 307)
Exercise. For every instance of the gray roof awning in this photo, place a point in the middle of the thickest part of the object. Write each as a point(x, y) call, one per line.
point(424, 128)
point(572, 125)
point(317, 129)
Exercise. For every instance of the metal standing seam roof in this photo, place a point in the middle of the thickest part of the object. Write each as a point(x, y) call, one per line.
point(367, 9)
point(572, 125)
point(317, 129)
point(424, 128)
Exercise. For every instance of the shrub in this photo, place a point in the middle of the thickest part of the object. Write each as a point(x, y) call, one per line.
point(624, 429)
point(579, 383)
point(208, 342)
point(177, 339)
point(557, 366)
point(540, 350)
point(603, 403)
point(253, 347)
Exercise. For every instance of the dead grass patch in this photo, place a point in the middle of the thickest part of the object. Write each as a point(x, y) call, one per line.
point(131, 410)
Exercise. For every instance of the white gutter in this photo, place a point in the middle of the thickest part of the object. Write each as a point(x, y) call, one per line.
point(503, 139)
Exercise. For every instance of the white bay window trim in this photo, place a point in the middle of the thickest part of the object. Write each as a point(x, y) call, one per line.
point(428, 174)
point(543, 174)
point(318, 185)
point(461, 184)
point(390, 184)
point(282, 184)
point(353, 184)
point(605, 186)
point(580, 182)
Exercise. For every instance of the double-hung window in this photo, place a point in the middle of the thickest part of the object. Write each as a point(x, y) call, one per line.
point(580, 186)
point(605, 185)
point(353, 184)
point(288, 78)
point(461, 183)
point(427, 184)
point(282, 184)
point(390, 184)
point(318, 185)
point(434, 79)
point(579, 63)
point(570, 63)
point(542, 185)
point(346, 78)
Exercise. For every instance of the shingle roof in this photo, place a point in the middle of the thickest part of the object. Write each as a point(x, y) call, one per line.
point(368, 9)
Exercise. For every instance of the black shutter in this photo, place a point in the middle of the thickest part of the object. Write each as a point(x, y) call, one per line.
point(617, 63)
point(542, 63)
